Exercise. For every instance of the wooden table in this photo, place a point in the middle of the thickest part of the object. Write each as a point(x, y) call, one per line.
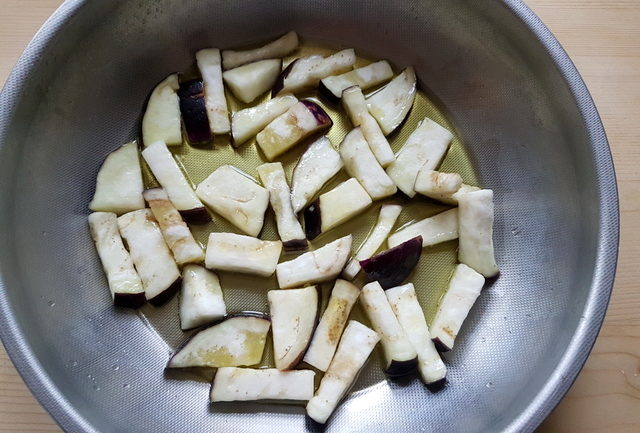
point(603, 39)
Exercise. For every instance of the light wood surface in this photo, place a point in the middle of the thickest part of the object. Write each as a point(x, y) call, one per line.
point(603, 39)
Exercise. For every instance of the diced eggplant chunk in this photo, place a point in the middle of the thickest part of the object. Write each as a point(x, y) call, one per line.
point(161, 121)
point(293, 316)
point(452, 198)
point(364, 77)
point(360, 163)
point(236, 341)
point(119, 184)
point(433, 230)
point(216, 102)
point(289, 228)
point(400, 355)
point(391, 267)
point(176, 233)
point(475, 219)
point(464, 288)
point(434, 183)
point(172, 179)
point(242, 254)
point(151, 256)
point(201, 300)
point(327, 335)
point(282, 46)
point(407, 309)
point(124, 282)
point(248, 122)
point(424, 149)
point(355, 346)
point(317, 165)
point(237, 197)
point(387, 218)
point(246, 384)
point(391, 105)
point(285, 131)
point(247, 82)
point(323, 264)
point(194, 111)
point(335, 207)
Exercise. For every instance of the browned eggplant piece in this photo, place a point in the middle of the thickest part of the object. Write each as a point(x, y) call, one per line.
point(194, 111)
point(391, 267)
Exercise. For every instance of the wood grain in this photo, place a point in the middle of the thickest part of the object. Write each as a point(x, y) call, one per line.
point(603, 39)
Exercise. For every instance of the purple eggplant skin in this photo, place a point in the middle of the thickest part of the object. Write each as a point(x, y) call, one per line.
point(129, 300)
point(391, 267)
point(440, 346)
point(163, 297)
point(313, 220)
point(328, 94)
point(194, 112)
point(437, 385)
point(197, 215)
point(295, 245)
point(318, 112)
point(279, 85)
point(400, 368)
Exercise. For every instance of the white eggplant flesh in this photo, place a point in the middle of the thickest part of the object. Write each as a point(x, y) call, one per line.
point(464, 288)
point(201, 299)
point(175, 231)
point(249, 81)
point(246, 123)
point(235, 196)
point(323, 264)
point(293, 318)
point(289, 228)
point(215, 100)
point(475, 218)
point(452, 198)
point(424, 149)
point(329, 330)
point(161, 121)
point(119, 183)
point(355, 347)
point(405, 305)
point(282, 46)
point(433, 183)
point(439, 228)
point(150, 254)
point(391, 104)
point(317, 165)
point(243, 254)
point(124, 282)
point(387, 218)
point(236, 341)
point(400, 355)
point(247, 384)
point(364, 77)
point(361, 163)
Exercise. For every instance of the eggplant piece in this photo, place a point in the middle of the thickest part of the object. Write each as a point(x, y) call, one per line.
point(290, 231)
point(293, 316)
point(400, 355)
point(201, 300)
point(355, 346)
point(176, 233)
point(391, 267)
point(323, 264)
point(391, 104)
point(151, 256)
point(242, 254)
point(297, 123)
point(194, 112)
point(364, 77)
point(356, 107)
point(306, 73)
point(435, 183)
point(464, 288)
point(161, 121)
point(282, 46)
point(452, 198)
point(475, 219)
point(248, 122)
point(237, 197)
point(407, 309)
point(327, 335)
point(124, 282)
point(236, 341)
point(387, 218)
point(119, 184)
point(433, 230)
point(360, 163)
point(246, 384)
point(172, 179)
point(317, 165)
point(424, 149)
point(210, 68)
point(335, 207)
point(250, 81)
